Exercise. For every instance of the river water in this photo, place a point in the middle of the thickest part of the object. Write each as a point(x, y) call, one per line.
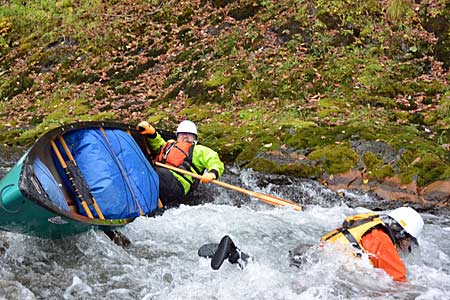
point(162, 262)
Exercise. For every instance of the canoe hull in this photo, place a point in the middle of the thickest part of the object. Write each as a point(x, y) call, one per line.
point(25, 210)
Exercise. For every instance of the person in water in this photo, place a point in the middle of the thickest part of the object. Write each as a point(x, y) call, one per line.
point(183, 153)
point(226, 249)
point(382, 237)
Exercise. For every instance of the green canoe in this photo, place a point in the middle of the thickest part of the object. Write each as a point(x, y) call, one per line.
point(77, 177)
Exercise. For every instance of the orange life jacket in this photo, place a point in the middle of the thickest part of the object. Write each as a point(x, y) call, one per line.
point(175, 153)
point(355, 227)
point(179, 154)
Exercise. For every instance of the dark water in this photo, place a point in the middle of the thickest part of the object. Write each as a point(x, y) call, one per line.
point(162, 262)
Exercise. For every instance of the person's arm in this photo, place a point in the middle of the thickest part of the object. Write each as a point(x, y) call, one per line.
point(383, 254)
point(156, 142)
point(154, 139)
point(206, 158)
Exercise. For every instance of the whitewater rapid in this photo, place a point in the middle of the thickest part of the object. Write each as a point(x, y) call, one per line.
point(162, 262)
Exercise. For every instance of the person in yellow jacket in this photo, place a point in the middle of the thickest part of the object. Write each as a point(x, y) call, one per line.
point(381, 237)
point(183, 153)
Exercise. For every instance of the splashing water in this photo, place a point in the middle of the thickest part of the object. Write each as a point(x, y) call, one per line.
point(162, 262)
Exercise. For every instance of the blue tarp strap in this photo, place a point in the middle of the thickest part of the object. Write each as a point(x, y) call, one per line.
point(124, 174)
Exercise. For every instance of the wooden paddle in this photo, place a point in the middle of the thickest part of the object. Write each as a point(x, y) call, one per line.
point(77, 180)
point(264, 197)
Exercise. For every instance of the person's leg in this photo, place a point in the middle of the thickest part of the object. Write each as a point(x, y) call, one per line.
point(228, 250)
point(170, 189)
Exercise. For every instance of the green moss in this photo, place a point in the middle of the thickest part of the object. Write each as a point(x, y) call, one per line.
point(301, 170)
point(294, 124)
point(331, 107)
point(248, 153)
point(77, 76)
point(426, 167)
point(375, 166)
point(217, 79)
point(306, 138)
point(335, 158)
point(156, 118)
point(371, 161)
point(444, 107)
point(262, 165)
point(431, 168)
point(384, 171)
point(197, 113)
point(15, 86)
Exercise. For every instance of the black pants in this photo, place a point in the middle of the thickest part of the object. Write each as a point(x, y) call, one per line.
point(170, 189)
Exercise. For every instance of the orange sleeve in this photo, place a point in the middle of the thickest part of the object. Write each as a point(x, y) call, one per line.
point(383, 254)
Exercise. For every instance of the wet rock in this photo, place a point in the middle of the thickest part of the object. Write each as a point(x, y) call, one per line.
point(380, 148)
point(393, 189)
point(348, 180)
point(4, 245)
point(437, 192)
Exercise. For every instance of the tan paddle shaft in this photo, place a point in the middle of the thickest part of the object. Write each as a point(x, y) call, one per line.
point(264, 197)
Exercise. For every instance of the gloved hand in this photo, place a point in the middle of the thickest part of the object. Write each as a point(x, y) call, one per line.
point(145, 128)
point(208, 177)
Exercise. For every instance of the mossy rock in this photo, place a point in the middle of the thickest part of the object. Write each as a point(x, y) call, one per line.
point(248, 153)
point(431, 168)
point(371, 161)
point(335, 159)
point(262, 165)
point(301, 170)
point(258, 147)
point(305, 138)
point(295, 124)
point(228, 152)
point(375, 166)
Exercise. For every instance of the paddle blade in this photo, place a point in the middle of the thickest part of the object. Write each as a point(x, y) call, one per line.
point(276, 201)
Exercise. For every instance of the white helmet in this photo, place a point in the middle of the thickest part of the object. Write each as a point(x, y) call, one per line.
point(409, 219)
point(187, 126)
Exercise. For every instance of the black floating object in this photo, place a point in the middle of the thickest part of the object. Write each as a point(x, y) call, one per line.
point(226, 247)
point(208, 250)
